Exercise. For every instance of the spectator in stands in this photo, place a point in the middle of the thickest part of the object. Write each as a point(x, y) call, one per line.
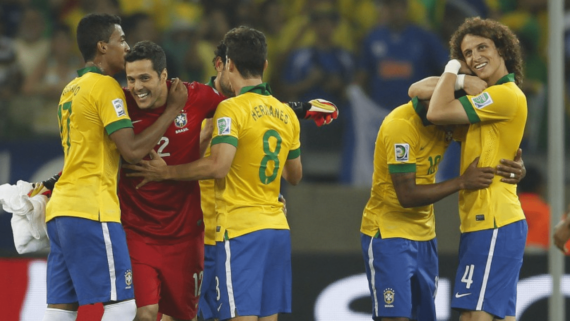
point(396, 54)
point(31, 47)
point(322, 70)
point(537, 212)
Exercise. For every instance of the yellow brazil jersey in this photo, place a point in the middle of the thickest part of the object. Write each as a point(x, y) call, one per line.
point(497, 117)
point(91, 108)
point(266, 134)
point(406, 143)
point(208, 206)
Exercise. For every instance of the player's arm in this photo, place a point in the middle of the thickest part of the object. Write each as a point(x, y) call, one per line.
point(444, 108)
point(293, 171)
point(412, 195)
point(423, 89)
point(206, 135)
point(134, 147)
point(323, 112)
point(217, 165)
point(562, 234)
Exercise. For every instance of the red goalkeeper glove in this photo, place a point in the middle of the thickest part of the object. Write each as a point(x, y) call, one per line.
point(323, 112)
point(44, 187)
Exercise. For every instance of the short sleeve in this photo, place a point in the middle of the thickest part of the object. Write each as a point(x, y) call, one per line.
point(110, 100)
point(226, 124)
point(400, 139)
point(295, 150)
point(496, 103)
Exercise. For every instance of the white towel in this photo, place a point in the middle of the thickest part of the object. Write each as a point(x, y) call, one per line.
point(28, 216)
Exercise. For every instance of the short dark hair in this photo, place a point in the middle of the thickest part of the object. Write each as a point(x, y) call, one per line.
point(220, 51)
point(148, 50)
point(247, 48)
point(505, 40)
point(93, 28)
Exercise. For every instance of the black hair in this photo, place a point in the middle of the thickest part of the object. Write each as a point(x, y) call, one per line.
point(247, 48)
point(93, 28)
point(220, 51)
point(148, 50)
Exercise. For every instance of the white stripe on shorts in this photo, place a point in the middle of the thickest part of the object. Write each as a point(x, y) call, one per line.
point(372, 275)
point(229, 284)
point(487, 270)
point(110, 260)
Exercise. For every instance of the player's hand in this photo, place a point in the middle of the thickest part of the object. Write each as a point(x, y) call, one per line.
point(44, 187)
point(514, 167)
point(474, 85)
point(477, 177)
point(177, 96)
point(153, 170)
point(562, 234)
point(323, 112)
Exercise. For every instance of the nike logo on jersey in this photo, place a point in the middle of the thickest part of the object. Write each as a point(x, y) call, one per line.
point(136, 121)
point(457, 295)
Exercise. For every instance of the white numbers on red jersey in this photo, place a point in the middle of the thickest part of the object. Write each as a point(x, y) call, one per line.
point(163, 142)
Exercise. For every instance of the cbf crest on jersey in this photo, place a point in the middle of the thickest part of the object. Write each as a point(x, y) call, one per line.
point(482, 100)
point(389, 296)
point(128, 279)
point(181, 120)
point(402, 152)
point(224, 125)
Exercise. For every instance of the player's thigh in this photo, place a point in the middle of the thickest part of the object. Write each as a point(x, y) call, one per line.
point(101, 267)
point(488, 271)
point(145, 260)
point(60, 289)
point(254, 274)
point(475, 316)
point(147, 312)
point(390, 266)
point(208, 294)
point(181, 274)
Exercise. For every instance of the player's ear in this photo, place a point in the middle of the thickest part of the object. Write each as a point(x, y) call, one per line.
point(219, 64)
point(102, 47)
point(265, 65)
point(163, 75)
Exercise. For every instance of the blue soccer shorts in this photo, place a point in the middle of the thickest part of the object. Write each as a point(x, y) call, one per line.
point(488, 271)
point(402, 277)
point(254, 274)
point(88, 262)
point(207, 307)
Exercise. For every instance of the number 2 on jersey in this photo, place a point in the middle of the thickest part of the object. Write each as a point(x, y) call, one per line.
point(163, 142)
point(269, 156)
point(60, 109)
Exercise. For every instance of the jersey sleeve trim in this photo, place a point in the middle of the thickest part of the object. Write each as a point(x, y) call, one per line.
point(401, 168)
point(225, 139)
point(119, 124)
point(294, 153)
point(471, 113)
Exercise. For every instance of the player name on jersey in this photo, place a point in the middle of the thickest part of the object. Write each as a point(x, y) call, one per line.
point(262, 110)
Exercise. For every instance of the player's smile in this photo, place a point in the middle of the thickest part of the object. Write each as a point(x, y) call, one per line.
point(144, 83)
point(482, 57)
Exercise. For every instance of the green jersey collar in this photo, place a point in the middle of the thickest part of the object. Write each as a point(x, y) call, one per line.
point(261, 89)
point(421, 111)
point(211, 82)
point(85, 70)
point(505, 79)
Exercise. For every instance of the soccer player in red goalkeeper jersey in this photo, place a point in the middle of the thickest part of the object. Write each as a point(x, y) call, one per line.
point(163, 221)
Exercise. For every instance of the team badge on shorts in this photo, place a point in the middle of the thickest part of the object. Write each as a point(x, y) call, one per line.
point(128, 279)
point(181, 120)
point(402, 152)
point(389, 297)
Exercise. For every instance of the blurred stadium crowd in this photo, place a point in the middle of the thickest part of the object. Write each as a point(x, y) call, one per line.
point(316, 48)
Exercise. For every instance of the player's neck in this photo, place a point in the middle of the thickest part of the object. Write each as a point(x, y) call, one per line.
point(101, 65)
point(241, 83)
